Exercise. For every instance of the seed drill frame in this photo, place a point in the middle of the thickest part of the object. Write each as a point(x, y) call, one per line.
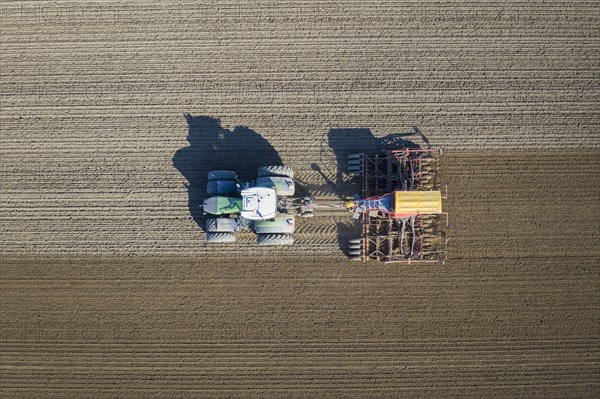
point(386, 235)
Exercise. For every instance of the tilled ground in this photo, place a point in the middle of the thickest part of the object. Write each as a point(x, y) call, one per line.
point(513, 313)
point(109, 290)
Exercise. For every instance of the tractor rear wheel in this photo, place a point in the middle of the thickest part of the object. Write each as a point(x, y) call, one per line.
point(222, 175)
point(276, 170)
point(221, 225)
point(220, 237)
point(275, 239)
point(221, 187)
point(282, 224)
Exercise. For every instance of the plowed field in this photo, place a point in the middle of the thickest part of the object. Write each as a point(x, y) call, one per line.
point(108, 288)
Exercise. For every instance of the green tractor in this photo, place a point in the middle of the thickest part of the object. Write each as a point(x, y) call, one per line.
point(266, 206)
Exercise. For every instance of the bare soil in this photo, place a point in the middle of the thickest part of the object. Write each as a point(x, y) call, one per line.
point(513, 313)
point(108, 288)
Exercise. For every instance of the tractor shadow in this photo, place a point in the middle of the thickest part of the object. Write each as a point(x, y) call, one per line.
point(212, 146)
point(342, 142)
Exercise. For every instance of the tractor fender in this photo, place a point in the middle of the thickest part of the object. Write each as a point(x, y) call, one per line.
point(284, 186)
point(281, 224)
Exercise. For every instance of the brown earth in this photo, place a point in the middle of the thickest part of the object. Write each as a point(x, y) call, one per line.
point(107, 288)
point(513, 313)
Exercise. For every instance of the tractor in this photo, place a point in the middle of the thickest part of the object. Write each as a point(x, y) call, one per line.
point(266, 206)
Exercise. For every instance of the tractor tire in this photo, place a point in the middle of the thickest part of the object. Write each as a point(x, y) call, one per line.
point(221, 225)
point(220, 237)
point(283, 224)
point(279, 183)
point(222, 175)
point(276, 170)
point(221, 187)
point(275, 239)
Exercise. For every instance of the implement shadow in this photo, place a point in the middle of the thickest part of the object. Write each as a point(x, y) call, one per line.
point(345, 141)
point(213, 147)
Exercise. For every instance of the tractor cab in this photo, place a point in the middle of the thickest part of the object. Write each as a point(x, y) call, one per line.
point(259, 203)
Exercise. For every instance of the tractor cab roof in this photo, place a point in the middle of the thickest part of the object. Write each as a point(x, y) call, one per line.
point(259, 203)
